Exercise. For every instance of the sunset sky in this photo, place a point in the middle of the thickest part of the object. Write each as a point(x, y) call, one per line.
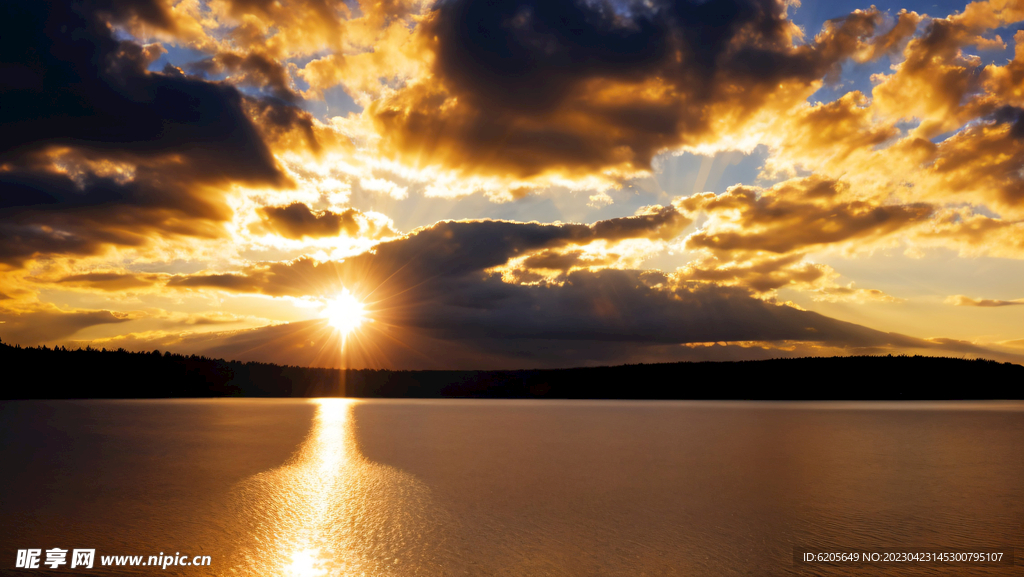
point(503, 184)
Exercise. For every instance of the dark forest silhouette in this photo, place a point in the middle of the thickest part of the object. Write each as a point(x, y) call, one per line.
point(60, 373)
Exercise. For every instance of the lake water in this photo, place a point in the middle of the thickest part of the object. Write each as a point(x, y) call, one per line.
point(512, 488)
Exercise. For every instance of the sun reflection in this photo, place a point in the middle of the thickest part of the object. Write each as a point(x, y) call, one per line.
point(345, 313)
point(305, 564)
point(330, 512)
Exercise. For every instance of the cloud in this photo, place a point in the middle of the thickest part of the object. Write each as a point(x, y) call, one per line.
point(379, 345)
point(47, 213)
point(286, 128)
point(44, 326)
point(760, 275)
point(437, 286)
point(980, 164)
point(446, 248)
point(105, 164)
point(75, 85)
point(965, 301)
point(99, 152)
point(297, 221)
point(794, 215)
point(1014, 344)
point(110, 281)
point(252, 69)
point(938, 83)
point(970, 176)
point(764, 275)
point(528, 88)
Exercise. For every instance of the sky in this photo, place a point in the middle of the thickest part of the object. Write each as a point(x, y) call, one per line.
point(513, 184)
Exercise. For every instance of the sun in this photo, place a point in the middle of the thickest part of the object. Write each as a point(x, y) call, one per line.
point(345, 313)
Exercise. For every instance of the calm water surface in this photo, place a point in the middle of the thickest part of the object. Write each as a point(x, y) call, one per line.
point(513, 488)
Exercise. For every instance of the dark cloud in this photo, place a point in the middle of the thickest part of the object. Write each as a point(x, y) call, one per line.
point(433, 288)
point(529, 55)
point(227, 281)
point(314, 343)
point(99, 151)
point(286, 127)
point(445, 250)
point(554, 260)
point(654, 222)
point(47, 213)
point(1013, 116)
point(895, 39)
point(67, 81)
point(252, 69)
point(530, 86)
point(110, 281)
point(296, 221)
point(152, 12)
point(33, 328)
point(614, 305)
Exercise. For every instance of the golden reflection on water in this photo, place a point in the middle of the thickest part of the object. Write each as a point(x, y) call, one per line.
point(329, 511)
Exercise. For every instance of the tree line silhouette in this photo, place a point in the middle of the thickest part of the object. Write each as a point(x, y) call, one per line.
point(61, 373)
